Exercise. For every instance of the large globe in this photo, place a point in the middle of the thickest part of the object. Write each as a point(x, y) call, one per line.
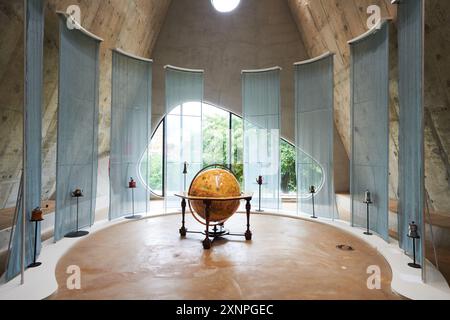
point(215, 183)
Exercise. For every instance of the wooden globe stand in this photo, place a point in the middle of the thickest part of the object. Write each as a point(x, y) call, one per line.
point(215, 233)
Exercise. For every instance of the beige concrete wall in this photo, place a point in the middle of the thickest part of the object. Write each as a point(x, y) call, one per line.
point(259, 34)
point(329, 24)
point(130, 25)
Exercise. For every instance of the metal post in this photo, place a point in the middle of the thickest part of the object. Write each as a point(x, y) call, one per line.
point(312, 190)
point(367, 220)
point(414, 264)
point(77, 213)
point(35, 241)
point(132, 201)
point(368, 233)
point(35, 264)
point(132, 186)
point(259, 181)
point(314, 207)
point(185, 172)
point(24, 153)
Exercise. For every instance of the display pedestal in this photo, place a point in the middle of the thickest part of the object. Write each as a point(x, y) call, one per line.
point(259, 182)
point(78, 233)
point(368, 233)
point(133, 215)
point(313, 207)
point(36, 220)
point(414, 264)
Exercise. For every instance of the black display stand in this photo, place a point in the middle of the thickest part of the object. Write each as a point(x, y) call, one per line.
point(35, 264)
point(215, 233)
point(312, 190)
point(368, 233)
point(260, 182)
point(414, 235)
point(414, 264)
point(78, 233)
point(132, 186)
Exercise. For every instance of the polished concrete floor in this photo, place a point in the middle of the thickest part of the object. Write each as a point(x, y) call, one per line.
point(287, 259)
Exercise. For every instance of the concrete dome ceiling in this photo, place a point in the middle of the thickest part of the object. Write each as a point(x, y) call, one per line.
point(321, 25)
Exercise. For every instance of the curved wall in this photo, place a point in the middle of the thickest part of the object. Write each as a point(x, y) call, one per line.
point(258, 34)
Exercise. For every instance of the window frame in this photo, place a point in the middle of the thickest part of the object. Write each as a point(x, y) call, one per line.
point(230, 151)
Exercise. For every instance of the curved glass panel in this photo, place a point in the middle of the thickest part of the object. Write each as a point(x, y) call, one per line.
point(223, 143)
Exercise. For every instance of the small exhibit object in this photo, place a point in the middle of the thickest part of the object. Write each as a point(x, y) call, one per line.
point(37, 215)
point(77, 193)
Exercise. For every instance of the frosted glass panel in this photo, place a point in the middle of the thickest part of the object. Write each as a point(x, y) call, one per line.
point(370, 129)
point(411, 123)
point(184, 98)
point(314, 136)
point(77, 147)
point(34, 28)
point(130, 123)
point(261, 113)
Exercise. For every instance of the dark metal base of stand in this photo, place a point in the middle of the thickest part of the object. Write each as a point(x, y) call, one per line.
point(135, 217)
point(217, 233)
point(314, 217)
point(76, 234)
point(35, 265)
point(368, 233)
point(415, 265)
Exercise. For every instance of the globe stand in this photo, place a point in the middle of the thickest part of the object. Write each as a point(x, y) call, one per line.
point(215, 233)
point(132, 186)
point(77, 194)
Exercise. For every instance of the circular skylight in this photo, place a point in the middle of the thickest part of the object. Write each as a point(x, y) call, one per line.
point(225, 5)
